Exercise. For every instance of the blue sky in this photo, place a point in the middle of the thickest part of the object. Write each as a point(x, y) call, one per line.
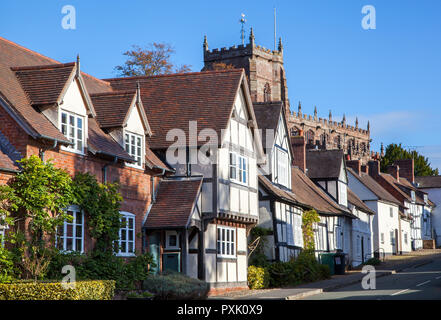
point(390, 75)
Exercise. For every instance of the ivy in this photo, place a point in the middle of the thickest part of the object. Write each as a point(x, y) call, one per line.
point(100, 203)
point(309, 218)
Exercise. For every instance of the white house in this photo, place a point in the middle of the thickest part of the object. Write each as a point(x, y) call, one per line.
point(279, 210)
point(361, 233)
point(432, 186)
point(385, 223)
point(204, 127)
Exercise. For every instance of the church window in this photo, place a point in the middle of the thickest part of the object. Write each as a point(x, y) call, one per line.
point(267, 93)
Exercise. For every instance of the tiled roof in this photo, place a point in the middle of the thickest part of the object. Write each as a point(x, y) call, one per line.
point(153, 161)
point(428, 182)
point(112, 107)
point(284, 195)
point(353, 199)
point(11, 91)
point(374, 186)
point(174, 204)
point(324, 164)
point(44, 84)
point(205, 97)
point(99, 142)
point(267, 116)
point(308, 193)
point(7, 163)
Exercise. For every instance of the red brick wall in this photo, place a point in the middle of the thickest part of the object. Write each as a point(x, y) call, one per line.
point(299, 150)
point(135, 184)
point(354, 164)
point(406, 169)
point(16, 135)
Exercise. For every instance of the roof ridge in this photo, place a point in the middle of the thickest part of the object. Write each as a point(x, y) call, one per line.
point(113, 93)
point(174, 74)
point(46, 57)
point(43, 67)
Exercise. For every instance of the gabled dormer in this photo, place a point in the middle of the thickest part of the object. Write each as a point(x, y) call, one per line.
point(328, 170)
point(122, 115)
point(58, 91)
point(271, 120)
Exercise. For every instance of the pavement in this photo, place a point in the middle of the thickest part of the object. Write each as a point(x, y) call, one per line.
point(320, 289)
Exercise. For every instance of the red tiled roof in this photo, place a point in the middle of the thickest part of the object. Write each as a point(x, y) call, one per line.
point(276, 191)
point(11, 91)
point(428, 182)
point(7, 163)
point(174, 204)
point(103, 143)
point(374, 186)
point(153, 161)
point(205, 97)
point(112, 107)
point(353, 199)
point(44, 84)
point(324, 163)
point(308, 193)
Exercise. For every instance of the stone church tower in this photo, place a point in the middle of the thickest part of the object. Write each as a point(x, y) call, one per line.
point(263, 67)
point(266, 77)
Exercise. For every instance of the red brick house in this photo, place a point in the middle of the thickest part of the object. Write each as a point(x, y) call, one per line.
point(46, 110)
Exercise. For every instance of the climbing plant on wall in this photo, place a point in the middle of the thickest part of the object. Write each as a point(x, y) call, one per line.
point(309, 218)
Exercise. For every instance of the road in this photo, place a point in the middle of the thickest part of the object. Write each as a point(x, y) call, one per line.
point(420, 283)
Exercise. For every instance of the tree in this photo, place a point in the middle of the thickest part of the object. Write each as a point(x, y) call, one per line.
point(397, 152)
point(35, 199)
point(150, 61)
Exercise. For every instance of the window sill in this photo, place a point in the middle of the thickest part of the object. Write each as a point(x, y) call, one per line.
point(127, 255)
point(141, 167)
point(72, 151)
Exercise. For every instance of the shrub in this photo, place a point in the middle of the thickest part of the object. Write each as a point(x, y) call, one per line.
point(103, 266)
point(258, 277)
point(304, 268)
point(372, 262)
point(84, 290)
point(176, 286)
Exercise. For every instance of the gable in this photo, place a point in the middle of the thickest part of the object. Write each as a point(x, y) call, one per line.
point(360, 189)
point(73, 100)
point(134, 122)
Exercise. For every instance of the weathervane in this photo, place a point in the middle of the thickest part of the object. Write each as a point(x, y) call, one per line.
point(242, 31)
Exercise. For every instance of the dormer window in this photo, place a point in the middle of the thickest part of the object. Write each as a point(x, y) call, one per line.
point(412, 194)
point(133, 145)
point(72, 126)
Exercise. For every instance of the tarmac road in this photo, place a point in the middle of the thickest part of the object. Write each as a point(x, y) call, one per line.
point(420, 283)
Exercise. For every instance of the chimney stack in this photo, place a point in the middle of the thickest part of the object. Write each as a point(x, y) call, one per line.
point(299, 149)
point(406, 169)
point(374, 168)
point(394, 171)
point(364, 169)
point(354, 165)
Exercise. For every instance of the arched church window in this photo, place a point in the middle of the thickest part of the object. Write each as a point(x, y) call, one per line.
point(267, 92)
point(295, 131)
point(310, 137)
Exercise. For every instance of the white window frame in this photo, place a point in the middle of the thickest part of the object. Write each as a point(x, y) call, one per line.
point(224, 242)
point(412, 195)
point(167, 240)
point(239, 167)
point(75, 210)
point(282, 167)
point(127, 229)
point(73, 148)
point(134, 135)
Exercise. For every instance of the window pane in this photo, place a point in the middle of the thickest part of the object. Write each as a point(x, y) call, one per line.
point(72, 121)
point(78, 231)
point(131, 249)
point(69, 244)
point(130, 235)
point(64, 118)
point(123, 234)
point(78, 245)
point(79, 123)
point(69, 230)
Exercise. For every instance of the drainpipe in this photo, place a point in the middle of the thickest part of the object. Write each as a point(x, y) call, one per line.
point(115, 160)
point(43, 150)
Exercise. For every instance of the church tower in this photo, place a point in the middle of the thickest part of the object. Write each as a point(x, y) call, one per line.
point(263, 67)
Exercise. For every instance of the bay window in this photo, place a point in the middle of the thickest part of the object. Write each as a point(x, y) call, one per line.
point(282, 167)
point(238, 168)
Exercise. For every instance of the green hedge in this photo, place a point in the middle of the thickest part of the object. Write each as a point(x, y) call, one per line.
point(84, 290)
